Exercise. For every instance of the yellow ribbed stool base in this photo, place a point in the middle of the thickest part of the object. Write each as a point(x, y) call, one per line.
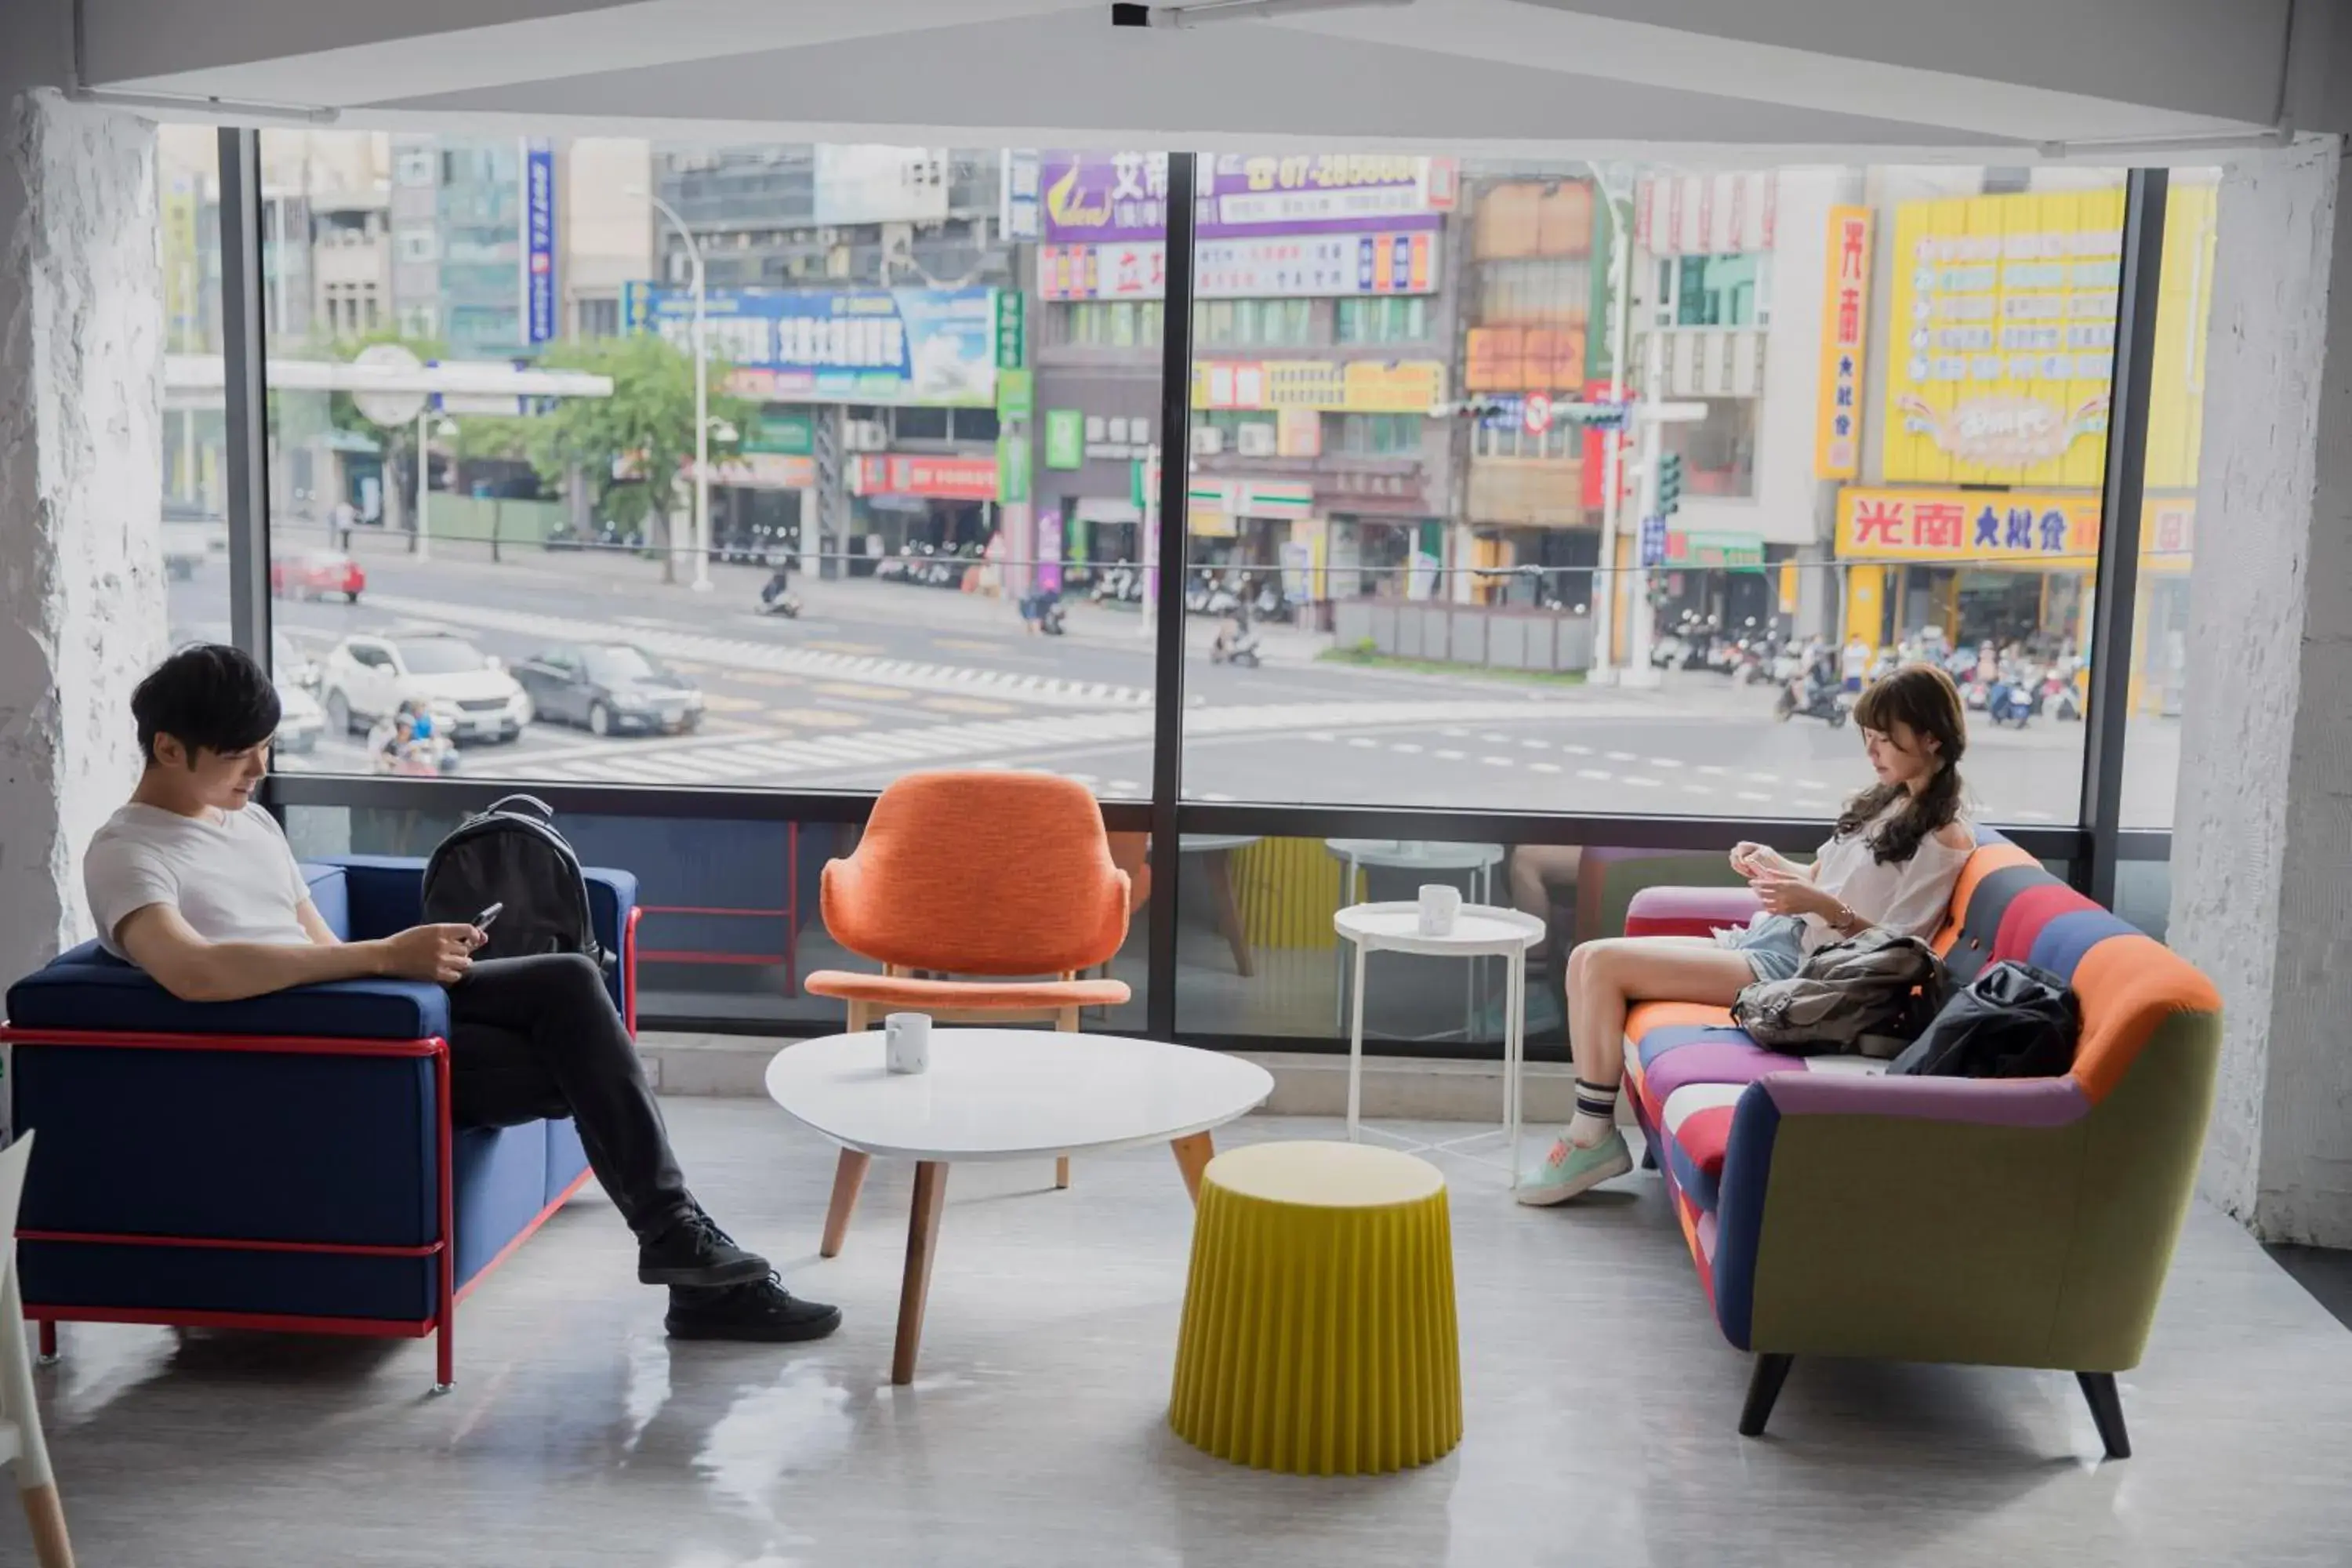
point(1318, 1335)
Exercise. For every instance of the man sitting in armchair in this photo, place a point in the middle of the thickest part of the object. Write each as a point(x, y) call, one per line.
point(197, 885)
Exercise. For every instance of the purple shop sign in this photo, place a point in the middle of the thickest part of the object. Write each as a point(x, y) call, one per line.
point(1124, 196)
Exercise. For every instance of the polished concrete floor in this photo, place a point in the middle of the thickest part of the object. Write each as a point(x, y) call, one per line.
point(1601, 1406)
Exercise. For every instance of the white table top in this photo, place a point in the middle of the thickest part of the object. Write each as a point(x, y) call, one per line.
point(1205, 843)
point(1478, 928)
point(1430, 854)
point(1012, 1094)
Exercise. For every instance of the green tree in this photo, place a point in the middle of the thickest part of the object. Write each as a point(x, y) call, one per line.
point(643, 433)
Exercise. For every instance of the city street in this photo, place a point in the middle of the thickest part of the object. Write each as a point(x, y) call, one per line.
point(879, 678)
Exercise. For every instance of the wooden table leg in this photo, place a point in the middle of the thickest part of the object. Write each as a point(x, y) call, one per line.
point(1192, 1157)
point(847, 1177)
point(1219, 865)
point(923, 1243)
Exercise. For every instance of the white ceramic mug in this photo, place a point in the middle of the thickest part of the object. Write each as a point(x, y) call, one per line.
point(907, 1042)
point(1439, 905)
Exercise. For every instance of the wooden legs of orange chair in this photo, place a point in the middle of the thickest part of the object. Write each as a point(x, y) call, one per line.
point(1192, 1157)
point(47, 1516)
point(1226, 909)
point(849, 1175)
point(1066, 1022)
point(923, 1244)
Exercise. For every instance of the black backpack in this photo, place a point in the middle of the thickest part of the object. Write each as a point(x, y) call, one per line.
point(2011, 1021)
point(510, 853)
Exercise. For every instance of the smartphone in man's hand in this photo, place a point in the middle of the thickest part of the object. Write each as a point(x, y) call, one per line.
point(482, 921)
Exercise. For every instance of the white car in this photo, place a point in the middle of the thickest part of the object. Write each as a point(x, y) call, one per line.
point(299, 722)
point(470, 696)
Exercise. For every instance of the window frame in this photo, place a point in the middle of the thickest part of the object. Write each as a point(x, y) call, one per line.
point(2093, 845)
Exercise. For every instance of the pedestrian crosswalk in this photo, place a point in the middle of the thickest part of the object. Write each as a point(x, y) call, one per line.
point(747, 655)
point(783, 756)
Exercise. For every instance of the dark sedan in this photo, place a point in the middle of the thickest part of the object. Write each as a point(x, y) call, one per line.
point(613, 689)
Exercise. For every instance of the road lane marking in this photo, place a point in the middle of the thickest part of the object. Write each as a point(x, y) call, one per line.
point(747, 658)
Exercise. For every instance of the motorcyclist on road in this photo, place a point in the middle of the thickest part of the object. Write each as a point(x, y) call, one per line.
point(1821, 674)
point(1233, 635)
point(780, 579)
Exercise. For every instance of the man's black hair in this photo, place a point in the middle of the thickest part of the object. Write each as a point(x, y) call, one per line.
point(209, 696)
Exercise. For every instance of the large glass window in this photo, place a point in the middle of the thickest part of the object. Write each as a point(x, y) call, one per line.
point(1669, 441)
point(492, 549)
point(196, 469)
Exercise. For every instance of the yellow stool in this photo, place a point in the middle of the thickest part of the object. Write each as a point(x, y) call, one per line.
point(1318, 1334)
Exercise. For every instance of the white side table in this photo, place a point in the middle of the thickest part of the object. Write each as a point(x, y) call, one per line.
point(1475, 863)
point(1480, 931)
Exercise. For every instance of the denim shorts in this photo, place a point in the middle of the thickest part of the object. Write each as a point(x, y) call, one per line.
point(1773, 946)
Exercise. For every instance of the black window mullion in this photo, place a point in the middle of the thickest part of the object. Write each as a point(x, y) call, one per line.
point(2116, 588)
point(245, 390)
point(1168, 683)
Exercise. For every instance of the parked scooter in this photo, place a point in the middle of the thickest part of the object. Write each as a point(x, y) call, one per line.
point(2010, 702)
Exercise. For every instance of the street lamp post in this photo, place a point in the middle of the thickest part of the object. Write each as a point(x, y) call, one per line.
point(1612, 481)
point(701, 401)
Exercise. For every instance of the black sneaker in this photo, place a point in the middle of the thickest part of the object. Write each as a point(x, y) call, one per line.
point(763, 1312)
point(695, 1251)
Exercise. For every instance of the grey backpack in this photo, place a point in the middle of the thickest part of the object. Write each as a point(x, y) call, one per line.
point(1871, 993)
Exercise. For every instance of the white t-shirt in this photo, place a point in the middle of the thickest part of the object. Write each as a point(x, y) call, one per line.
point(233, 877)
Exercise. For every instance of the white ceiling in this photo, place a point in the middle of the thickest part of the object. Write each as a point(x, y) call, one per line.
point(1719, 81)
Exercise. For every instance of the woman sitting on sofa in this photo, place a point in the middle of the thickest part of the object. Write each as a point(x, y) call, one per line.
point(1892, 862)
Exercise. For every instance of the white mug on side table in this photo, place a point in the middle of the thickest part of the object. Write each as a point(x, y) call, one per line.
point(907, 1042)
point(1439, 906)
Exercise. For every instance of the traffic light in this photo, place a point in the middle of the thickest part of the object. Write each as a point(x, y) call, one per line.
point(1670, 483)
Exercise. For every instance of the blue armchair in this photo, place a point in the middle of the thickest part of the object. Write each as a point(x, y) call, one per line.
point(284, 1163)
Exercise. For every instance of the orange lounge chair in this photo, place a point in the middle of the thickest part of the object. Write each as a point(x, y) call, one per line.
point(977, 873)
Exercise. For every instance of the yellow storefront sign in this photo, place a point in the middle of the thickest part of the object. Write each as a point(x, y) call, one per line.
point(1845, 317)
point(1358, 386)
point(2003, 313)
point(1959, 527)
point(1967, 528)
point(2004, 308)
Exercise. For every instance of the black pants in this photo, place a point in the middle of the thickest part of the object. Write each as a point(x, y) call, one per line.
point(534, 1038)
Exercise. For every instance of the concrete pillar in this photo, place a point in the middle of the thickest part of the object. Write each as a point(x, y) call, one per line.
point(82, 612)
point(2263, 831)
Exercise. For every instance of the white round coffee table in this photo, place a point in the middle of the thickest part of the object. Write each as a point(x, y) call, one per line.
point(1480, 931)
point(998, 1095)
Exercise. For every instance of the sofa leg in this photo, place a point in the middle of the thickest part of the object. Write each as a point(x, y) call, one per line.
point(2106, 1412)
point(48, 1341)
point(1763, 1388)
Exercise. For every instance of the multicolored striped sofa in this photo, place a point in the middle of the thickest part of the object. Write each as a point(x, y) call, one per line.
point(2018, 1222)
